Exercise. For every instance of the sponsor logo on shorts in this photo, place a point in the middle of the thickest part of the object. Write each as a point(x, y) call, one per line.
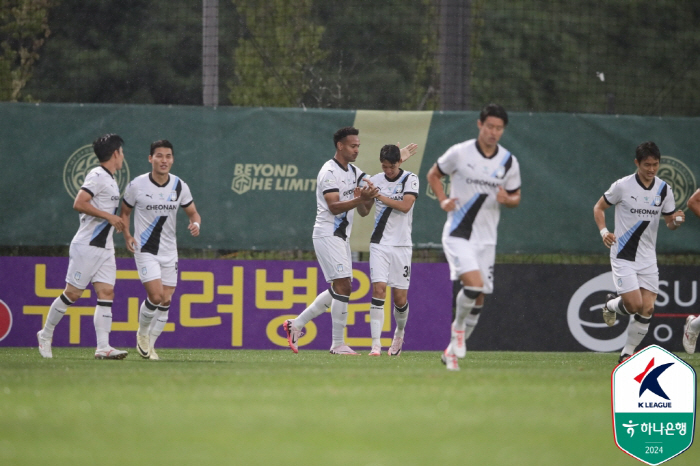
point(79, 165)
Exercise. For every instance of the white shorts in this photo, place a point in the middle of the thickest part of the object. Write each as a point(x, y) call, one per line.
point(390, 265)
point(334, 257)
point(152, 267)
point(464, 256)
point(90, 264)
point(629, 276)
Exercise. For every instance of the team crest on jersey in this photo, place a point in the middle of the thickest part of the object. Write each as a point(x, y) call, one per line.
point(500, 173)
point(399, 189)
point(657, 201)
point(79, 165)
point(173, 195)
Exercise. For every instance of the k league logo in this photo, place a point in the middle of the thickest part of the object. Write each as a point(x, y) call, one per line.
point(653, 402)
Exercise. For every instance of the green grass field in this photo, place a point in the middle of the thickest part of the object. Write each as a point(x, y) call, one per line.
point(235, 407)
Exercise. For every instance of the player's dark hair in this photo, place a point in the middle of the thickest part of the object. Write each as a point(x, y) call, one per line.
point(104, 146)
point(161, 143)
point(342, 133)
point(647, 149)
point(390, 153)
point(494, 110)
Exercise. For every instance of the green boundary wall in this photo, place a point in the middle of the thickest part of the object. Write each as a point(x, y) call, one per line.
point(252, 171)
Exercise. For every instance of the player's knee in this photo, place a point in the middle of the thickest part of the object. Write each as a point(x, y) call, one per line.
point(73, 295)
point(106, 294)
point(155, 298)
point(379, 290)
point(342, 287)
point(472, 292)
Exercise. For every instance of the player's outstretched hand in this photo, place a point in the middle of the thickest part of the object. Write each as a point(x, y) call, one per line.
point(449, 204)
point(116, 222)
point(609, 239)
point(408, 151)
point(194, 228)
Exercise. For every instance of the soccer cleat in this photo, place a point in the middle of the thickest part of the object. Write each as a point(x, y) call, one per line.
point(110, 353)
point(623, 358)
point(143, 345)
point(376, 351)
point(293, 335)
point(449, 359)
point(458, 343)
point(344, 349)
point(44, 346)
point(153, 356)
point(395, 348)
point(610, 317)
point(690, 338)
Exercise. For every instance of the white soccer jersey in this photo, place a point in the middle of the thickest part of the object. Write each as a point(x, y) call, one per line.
point(155, 210)
point(474, 181)
point(96, 231)
point(637, 213)
point(393, 227)
point(334, 178)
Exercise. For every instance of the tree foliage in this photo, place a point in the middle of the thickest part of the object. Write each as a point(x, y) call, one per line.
point(276, 54)
point(23, 29)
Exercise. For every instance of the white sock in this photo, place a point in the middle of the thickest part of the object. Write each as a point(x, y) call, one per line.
point(471, 320)
point(146, 313)
point(339, 316)
point(158, 324)
point(695, 324)
point(56, 312)
point(318, 307)
point(464, 306)
point(636, 332)
point(616, 305)
point(103, 322)
point(376, 320)
point(401, 317)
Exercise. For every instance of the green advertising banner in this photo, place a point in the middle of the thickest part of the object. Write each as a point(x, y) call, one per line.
point(252, 171)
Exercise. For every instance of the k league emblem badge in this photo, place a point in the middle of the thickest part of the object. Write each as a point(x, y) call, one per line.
point(653, 403)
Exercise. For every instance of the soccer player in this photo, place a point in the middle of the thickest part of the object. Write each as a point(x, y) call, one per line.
point(391, 245)
point(92, 249)
point(156, 197)
point(691, 329)
point(338, 194)
point(640, 200)
point(483, 177)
